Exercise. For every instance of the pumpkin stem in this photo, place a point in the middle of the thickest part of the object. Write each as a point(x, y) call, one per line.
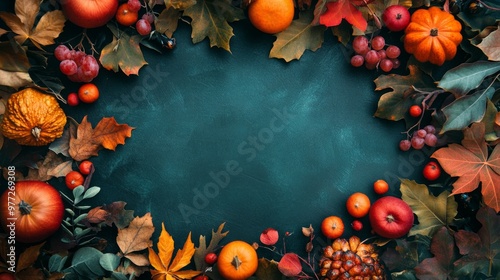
point(24, 207)
point(236, 262)
point(35, 131)
point(434, 32)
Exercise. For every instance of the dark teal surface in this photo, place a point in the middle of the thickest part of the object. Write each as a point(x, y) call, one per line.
point(196, 110)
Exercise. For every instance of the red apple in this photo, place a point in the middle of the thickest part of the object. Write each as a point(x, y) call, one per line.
point(396, 17)
point(391, 217)
point(89, 13)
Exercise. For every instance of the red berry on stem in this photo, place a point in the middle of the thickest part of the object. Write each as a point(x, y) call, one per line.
point(415, 111)
point(405, 145)
point(143, 27)
point(211, 258)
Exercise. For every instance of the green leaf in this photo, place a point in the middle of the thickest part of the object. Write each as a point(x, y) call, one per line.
point(466, 110)
point(210, 19)
point(489, 121)
point(394, 104)
point(80, 218)
point(467, 76)
point(56, 263)
point(77, 194)
point(85, 264)
point(123, 53)
point(91, 192)
point(109, 261)
point(432, 212)
point(301, 35)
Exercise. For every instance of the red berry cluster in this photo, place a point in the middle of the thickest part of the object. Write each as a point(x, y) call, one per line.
point(420, 138)
point(375, 54)
point(77, 65)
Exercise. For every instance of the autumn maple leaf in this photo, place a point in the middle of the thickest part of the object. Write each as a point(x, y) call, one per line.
point(471, 163)
point(49, 26)
point(343, 9)
point(88, 141)
point(164, 267)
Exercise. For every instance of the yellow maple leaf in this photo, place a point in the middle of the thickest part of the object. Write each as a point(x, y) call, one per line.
point(164, 267)
point(49, 26)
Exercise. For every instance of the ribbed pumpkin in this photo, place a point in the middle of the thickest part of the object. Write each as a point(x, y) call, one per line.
point(432, 35)
point(33, 118)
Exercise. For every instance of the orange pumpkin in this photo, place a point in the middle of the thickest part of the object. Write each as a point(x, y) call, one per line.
point(33, 118)
point(432, 35)
point(237, 260)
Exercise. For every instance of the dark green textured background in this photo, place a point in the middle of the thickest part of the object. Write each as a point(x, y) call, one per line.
point(196, 109)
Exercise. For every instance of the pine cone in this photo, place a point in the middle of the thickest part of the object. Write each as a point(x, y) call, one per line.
point(350, 259)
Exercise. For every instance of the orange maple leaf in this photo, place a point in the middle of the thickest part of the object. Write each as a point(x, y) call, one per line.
point(471, 163)
point(88, 141)
point(164, 267)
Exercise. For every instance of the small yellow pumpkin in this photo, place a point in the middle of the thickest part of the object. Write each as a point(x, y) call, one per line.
point(33, 118)
point(432, 35)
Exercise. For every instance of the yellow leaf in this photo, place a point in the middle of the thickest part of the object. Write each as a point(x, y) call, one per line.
point(183, 256)
point(165, 246)
point(155, 261)
point(48, 28)
point(161, 261)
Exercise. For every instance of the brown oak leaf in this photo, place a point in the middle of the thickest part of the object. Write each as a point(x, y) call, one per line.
point(49, 26)
point(137, 236)
point(51, 166)
point(88, 141)
point(202, 249)
point(471, 163)
point(166, 268)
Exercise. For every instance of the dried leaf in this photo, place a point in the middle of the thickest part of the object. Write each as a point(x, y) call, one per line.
point(15, 79)
point(49, 26)
point(308, 231)
point(118, 215)
point(137, 236)
point(301, 35)
point(491, 45)
point(123, 53)
point(13, 57)
point(107, 134)
point(441, 265)
point(138, 259)
point(343, 9)
point(162, 262)
point(28, 257)
point(167, 21)
point(51, 166)
point(290, 265)
point(202, 249)
point(471, 163)
point(97, 215)
point(432, 212)
point(210, 18)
